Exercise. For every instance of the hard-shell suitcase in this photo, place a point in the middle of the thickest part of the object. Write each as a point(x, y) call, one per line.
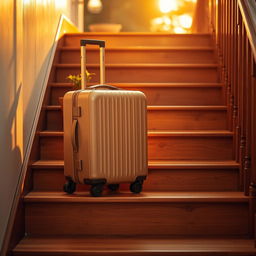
point(105, 134)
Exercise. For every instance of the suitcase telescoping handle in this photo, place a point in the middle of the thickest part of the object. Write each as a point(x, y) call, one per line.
point(101, 44)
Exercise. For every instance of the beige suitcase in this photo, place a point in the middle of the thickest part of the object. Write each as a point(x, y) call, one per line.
point(105, 134)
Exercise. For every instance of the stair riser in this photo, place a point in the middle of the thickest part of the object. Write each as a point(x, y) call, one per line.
point(164, 120)
point(145, 74)
point(140, 56)
point(137, 218)
point(175, 96)
point(54, 120)
point(187, 119)
point(190, 148)
point(158, 180)
point(160, 148)
point(144, 40)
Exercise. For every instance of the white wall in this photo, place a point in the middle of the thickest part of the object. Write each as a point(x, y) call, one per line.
point(41, 18)
point(11, 125)
point(27, 30)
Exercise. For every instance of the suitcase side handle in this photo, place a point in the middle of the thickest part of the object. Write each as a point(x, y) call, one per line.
point(74, 135)
point(100, 43)
point(111, 87)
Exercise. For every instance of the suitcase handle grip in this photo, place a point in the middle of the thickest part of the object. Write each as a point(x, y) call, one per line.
point(100, 43)
point(74, 135)
point(111, 87)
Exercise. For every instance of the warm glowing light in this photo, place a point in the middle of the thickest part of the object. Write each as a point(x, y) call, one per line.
point(61, 4)
point(46, 2)
point(185, 21)
point(175, 21)
point(94, 6)
point(179, 30)
point(26, 1)
point(177, 16)
point(157, 21)
point(168, 5)
point(161, 24)
point(167, 21)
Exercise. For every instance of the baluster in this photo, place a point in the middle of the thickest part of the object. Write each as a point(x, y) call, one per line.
point(235, 84)
point(239, 81)
point(253, 130)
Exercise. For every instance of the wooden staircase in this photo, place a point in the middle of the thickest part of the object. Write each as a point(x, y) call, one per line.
point(192, 203)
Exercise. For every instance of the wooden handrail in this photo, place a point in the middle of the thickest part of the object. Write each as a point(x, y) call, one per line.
point(248, 12)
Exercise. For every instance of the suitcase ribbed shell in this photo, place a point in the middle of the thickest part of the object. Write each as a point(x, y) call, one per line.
point(119, 138)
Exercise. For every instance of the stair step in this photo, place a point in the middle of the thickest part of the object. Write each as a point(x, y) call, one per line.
point(156, 164)
point(149, 213)
point(162, 145)
point(142, 39)
point(141, 55)
point(163, 176)
point(187, 117)
point(124, 246)
point(191, 94)
point(151, 73)
point(147, 197)
point(163, 118)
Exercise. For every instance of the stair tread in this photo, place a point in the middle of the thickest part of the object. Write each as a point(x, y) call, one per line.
point(190, 133)
point(142, 65)
point(58, 107)
point(193, 164)
point(187, 107)
point(157, 85)
point(154, 164)
point(143, 48)
point(107, 245)
point(120, 34)
point(214, 133)
point(145, 197)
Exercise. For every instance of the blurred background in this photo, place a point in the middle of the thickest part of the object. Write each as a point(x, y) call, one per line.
point(173, 16)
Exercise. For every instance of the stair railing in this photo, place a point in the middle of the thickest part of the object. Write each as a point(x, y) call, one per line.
point(233, 24)
point(234, 29)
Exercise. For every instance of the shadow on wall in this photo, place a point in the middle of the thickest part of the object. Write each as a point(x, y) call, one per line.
point(10, 159)
point(37, 92)
point(11, 151)
point(14, 128)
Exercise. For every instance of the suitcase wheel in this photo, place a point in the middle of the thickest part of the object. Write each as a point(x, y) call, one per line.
point(69, 187)
point(113, 187)
point(96, 190)
point(136, 187)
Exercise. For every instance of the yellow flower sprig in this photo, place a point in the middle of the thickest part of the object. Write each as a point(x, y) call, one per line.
point(77, 79)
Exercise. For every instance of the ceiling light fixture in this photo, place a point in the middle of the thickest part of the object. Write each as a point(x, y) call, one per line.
point(94, 6)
